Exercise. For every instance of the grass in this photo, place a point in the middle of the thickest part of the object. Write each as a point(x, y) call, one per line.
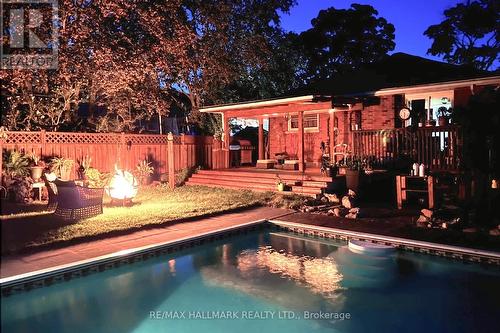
point(152, 207)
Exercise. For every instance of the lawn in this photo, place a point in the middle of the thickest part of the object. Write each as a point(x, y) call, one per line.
point(152, 207)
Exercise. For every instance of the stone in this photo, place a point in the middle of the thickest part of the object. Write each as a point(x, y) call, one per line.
point(351, 216)
point(495, 231)
point(354, 210)
point(422, 219)
point(330, 212)
point(347, 202)
point(351, 193)
point(332, 198)
point(324, 199)
point(427, 213)
point(470, 230)
point(336, 212)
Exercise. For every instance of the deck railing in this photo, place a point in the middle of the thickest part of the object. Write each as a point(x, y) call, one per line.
point(439, 148)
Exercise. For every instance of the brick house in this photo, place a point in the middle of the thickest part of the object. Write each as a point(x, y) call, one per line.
point(361, 111)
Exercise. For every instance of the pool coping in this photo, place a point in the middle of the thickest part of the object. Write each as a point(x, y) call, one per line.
point(48, 276)
point(437, 249)
point(58, 273)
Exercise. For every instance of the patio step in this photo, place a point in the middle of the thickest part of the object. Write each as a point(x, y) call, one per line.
point(308, 185)
point(255, 188)
point(270, 173)
point(259, 180)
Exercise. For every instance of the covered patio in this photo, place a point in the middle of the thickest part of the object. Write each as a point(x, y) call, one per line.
point(294, 120)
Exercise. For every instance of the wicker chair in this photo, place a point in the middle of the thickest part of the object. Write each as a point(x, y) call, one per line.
point(74, 202)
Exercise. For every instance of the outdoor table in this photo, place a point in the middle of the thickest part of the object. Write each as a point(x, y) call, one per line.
point(426, 185)
point(39, 186)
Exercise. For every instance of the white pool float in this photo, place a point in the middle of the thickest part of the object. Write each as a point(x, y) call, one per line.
point(371, 248)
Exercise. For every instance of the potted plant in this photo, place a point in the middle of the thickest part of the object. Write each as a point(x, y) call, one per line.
point(62, 167)
point(443, 116)
point(15, 164)
point(145, 172)
point(353, 171)
point(85, 164)
point(280, 184)
point(37, 167)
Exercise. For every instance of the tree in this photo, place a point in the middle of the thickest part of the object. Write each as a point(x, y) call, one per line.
point(343, 39)
point(470, 34)
point(126, 55)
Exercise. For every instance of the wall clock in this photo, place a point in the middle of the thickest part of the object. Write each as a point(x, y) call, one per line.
point(404, 113)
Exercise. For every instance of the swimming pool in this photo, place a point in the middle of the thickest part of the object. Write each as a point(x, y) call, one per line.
point(267, 281)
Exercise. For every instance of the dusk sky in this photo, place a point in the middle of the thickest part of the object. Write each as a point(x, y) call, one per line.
point(410, 18)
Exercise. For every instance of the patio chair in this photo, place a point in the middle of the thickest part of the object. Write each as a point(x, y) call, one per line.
point(75, 202)
point(340, 149)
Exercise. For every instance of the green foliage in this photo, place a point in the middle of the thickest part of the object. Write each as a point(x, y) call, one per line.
point(143, 170)
point(480, 121)
point(61, 165)
point(468, 35)
point(16, 164)
point(96, 179)
point(343, 39)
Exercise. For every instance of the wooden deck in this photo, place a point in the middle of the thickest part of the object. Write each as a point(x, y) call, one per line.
point(309, 183)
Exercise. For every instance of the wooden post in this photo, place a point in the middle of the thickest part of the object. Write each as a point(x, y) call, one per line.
point(399, 199)
point(170, 158)
point(301, 141)
point(430, 191)
point(123, 147)
point(3, 136)
point(225, 144)
point(332, 135)
point(184, 156)
point(43, 142)
point(261, 139)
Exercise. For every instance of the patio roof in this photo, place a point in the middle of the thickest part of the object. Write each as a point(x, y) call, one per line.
point(272, 107)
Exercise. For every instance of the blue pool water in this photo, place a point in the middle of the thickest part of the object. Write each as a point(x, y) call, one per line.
point(267, 282)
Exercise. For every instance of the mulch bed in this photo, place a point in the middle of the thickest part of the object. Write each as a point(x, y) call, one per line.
point(395, 223)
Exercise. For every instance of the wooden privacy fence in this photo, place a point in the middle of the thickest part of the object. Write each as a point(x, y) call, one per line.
point(439, 148)
point(165, 152)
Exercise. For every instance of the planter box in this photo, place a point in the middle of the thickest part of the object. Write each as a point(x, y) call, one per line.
point(291, 165)
point(265, 164)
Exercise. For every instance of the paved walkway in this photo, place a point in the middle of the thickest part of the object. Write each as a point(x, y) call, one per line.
point(14, 265)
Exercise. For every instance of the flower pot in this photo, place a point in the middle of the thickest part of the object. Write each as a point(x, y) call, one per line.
point(36, 172)
point(342, 170)
point(333, 170)
point(147, 180)
point(65, 174)
point(443, 121)
point(352, 179)
point(281, 187)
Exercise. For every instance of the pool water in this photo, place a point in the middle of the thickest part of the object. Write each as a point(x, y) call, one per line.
point(267, 282)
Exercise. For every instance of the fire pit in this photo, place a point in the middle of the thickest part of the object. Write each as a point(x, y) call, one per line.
point(122, 188)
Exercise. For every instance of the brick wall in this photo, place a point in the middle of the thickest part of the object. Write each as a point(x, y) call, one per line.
point(379, 116)
point(280, 140)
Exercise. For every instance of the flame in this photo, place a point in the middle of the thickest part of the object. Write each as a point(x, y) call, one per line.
point(123, 185)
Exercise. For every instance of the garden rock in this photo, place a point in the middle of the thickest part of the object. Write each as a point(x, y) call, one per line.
point(427, 213)
point(332, 198)
point(347, 202)
point(495, 231)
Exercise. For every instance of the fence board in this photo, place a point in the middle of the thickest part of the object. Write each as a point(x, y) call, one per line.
point(108, 149)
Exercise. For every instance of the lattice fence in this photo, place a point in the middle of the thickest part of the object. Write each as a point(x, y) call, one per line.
point(110, 149)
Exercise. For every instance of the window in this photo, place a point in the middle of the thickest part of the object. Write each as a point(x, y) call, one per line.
point(311, 121)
